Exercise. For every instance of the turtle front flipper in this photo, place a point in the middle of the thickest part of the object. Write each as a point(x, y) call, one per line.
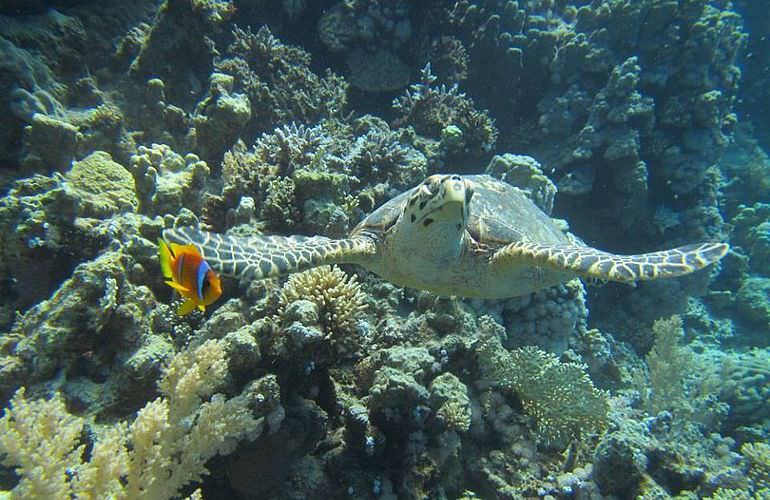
point(589, 262)
point(260, 256)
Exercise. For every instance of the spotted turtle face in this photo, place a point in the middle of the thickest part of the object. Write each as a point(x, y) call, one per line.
point(442, 199)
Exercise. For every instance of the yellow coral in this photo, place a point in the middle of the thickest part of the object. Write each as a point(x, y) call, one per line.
point(164, 448)
point(338, 297)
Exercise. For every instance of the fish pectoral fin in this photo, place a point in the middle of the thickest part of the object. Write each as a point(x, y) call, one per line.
point(202, 307)
point(186, 308)
point(177, 286)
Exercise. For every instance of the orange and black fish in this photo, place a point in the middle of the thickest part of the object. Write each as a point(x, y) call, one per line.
point(187, 272)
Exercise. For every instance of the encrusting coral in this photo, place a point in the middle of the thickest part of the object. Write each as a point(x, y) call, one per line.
point(164, 448)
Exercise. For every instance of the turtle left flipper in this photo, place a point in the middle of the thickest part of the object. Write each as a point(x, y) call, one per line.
point(592, 263)
point(259, 256)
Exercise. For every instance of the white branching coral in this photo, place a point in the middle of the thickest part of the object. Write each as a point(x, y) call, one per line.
point(163, 449)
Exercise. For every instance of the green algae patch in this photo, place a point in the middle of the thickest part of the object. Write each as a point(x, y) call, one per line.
point(102, 186)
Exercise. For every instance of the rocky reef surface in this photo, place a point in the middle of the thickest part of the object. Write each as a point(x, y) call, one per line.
point(626, 118)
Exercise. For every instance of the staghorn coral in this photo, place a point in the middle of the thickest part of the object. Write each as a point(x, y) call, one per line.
point(301, 177)
point(381, 155)
point(449, 59)
point(268, 171)
point(164, 448)
point(560, 396)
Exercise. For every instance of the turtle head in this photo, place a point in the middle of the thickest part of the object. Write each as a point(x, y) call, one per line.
point(439, 208)
point(440, 200)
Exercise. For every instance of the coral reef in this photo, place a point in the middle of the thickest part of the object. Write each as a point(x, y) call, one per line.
point(125, 119)
point(277, 81)
point(167, 181)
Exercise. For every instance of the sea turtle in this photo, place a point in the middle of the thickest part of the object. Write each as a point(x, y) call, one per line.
point(462, 235)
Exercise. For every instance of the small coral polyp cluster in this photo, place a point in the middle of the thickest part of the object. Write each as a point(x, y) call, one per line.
point(121, 120)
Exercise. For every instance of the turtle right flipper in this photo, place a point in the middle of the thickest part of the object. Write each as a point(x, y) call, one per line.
point(592, 263)
point(258, 256)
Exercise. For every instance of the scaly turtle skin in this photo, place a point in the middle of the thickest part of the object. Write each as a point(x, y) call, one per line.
point(469, 236)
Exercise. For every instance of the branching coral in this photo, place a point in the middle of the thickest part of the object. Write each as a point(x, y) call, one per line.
point(380, 155)
point(560, 396)
point(163, 449)
point(430, 109)
point(669, 363)
point(278, 81)
point(301, 177)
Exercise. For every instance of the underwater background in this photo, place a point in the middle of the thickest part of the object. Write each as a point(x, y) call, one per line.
point(644, 124)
